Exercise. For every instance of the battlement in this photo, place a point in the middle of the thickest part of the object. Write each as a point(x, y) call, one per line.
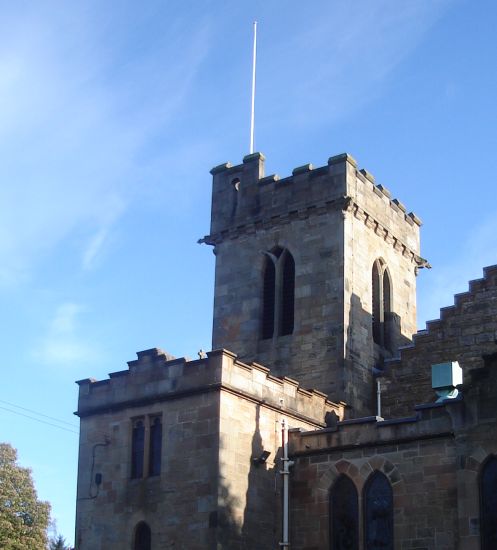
point(430, 420)
point(156, 376)
point(244, 198)
point(465, 332)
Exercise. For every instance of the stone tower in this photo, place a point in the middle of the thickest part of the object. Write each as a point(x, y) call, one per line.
point(315, 273)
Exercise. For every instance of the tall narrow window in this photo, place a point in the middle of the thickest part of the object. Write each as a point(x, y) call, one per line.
point(378, 513)
point(268, 298)
point(278, 293)
point(137, 449)
point(155, 455)
point(287, 294)
point(376, 305)
point(387, 312)
point(381, 306)
point(143, 537)
point(344, 510)
point(488, 504)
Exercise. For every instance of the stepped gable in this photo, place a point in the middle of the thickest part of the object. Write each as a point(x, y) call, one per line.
point(464, 332)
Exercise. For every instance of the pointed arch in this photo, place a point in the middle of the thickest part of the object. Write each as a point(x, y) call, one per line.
point(378, 513)
point(344, 515)
point(143, 537)
point(381, 306)
point(488, 503)
point(278, 296)
point(268, 298)
point(387, 311)
point(376, 308)
point(287, 294)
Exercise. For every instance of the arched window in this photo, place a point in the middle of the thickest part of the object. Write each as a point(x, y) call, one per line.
point(155, 455)
point(278, 293)
point(488, 504)
point(378, 513)
point(143, 537)
point(268, 298)
point(344, 511)
point(381, 307)
point(287, 294)
point(137, 449)
point(376, 305)
point(387, 311)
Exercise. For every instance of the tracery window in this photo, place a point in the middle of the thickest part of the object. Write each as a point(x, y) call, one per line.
point(488, 504)
point(381, 307)
point(378, 513)
point(278, 293)
point(143, 537)
point(344, 510)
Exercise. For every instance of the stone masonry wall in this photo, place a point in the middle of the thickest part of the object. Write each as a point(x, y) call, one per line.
point(418, 458)
point(376, 228)
point(465, 332)
point(433, 460)
point(176, 504)
point(217, 414)
point(302, 214)
point(335, 222)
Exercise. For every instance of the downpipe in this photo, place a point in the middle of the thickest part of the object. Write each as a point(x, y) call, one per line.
point(286, 463)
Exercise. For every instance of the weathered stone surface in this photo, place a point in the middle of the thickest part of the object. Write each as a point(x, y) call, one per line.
point(220, 412)
point(334, 249)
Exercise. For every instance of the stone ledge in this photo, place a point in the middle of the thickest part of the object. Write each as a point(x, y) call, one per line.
point(302, 169)
point(221, 168)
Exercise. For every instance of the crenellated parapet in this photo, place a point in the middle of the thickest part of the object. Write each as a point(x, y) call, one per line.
point(155, 377)
point(244, 201)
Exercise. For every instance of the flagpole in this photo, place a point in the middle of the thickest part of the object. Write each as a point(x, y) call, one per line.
point(253, 90)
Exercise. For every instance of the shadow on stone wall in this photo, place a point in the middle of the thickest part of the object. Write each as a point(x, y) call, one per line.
point(257, 528)
point(364, 359)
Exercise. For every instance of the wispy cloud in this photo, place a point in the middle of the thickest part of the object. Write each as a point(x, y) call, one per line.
point(74, 125)
point(350, 52)
point(62, 344)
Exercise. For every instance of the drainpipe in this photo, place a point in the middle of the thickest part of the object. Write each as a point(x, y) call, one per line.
point(378, 398)
point(285, 472)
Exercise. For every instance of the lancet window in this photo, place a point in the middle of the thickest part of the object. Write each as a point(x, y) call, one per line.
point(378, 513)
point(344, 510)
point(488, 504)
point(381, 307)
point(278, 293)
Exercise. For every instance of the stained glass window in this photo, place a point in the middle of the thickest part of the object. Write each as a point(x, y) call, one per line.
point(378, 513)
point(488, 504)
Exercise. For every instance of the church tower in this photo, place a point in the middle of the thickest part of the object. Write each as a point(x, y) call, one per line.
point(315, 273)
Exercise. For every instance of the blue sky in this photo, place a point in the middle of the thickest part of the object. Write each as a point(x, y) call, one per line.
point(112, 114)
